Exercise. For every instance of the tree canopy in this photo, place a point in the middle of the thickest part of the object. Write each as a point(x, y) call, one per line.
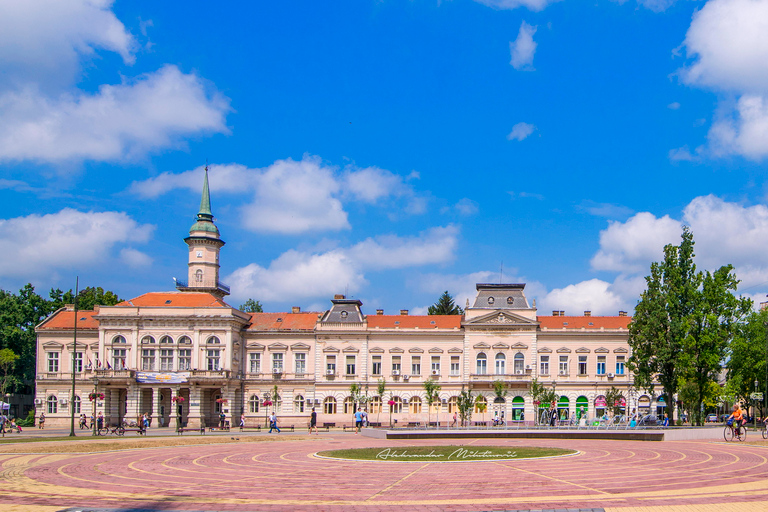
point(445, 306)
point(251, 306)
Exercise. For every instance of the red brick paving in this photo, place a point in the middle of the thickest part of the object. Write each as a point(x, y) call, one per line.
point(284, 476)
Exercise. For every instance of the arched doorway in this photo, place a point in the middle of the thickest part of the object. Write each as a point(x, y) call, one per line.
point(518, 408)
point(582, 406)
point(563, 408)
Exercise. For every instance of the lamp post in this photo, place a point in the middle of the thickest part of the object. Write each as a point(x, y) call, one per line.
point(95, 397)
point(74, 366)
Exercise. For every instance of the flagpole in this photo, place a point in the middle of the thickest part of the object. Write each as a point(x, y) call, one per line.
point(74, 367)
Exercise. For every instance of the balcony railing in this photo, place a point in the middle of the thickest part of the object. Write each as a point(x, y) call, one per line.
point(209, 284)
point(209, 374)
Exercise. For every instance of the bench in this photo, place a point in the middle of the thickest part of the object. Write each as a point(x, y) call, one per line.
point(329, 425)
point(257, 428)
point(180, 431)
point(214, 429)
point(414, 424)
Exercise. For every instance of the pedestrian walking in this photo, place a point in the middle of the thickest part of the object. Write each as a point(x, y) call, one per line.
point(222, 419)
point(242, 420)
point(273, 423)
point(455, 419)
point(41, 421)
point(313, 421)
point(358, 420)
point(99, 421)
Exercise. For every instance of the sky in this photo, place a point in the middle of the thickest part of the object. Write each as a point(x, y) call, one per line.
point(386, 149)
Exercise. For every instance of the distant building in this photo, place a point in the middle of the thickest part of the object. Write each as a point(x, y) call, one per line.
point(187, 354)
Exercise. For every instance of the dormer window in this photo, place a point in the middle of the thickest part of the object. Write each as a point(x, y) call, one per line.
point(510, 300)
point(344, 314)
point(491, 300)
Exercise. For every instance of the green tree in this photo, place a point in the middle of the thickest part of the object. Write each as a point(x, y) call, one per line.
point(613, 399)
point(381, 388)
point(87, 298)
point(465, 403)
point(445, 306)
point(432, 390)
point(500, 390)
point(710, 327)
point(481, 404)
point(541, 395)
point(746, 357)
point(660, 323)
point(7, 361)
point(251, 306)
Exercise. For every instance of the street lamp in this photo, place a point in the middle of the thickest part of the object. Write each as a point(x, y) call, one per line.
point(93, 416)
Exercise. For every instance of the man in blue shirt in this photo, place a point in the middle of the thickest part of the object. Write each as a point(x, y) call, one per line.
point(358, 420)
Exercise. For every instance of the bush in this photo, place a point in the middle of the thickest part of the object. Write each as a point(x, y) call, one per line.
point(29, 421)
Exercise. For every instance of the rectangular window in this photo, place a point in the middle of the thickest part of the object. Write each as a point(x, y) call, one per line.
point(330, 365)
point(118, 358)
point(563, 366)
point(53, 362)
point(619, 365)
point(254, 362)
point(78, 362)
point(582, 365)
point(214, 359)
point(601, 365)
point(482, 364)
point(148, 359)
point(185, 359)
point(376, 365)
point(415, 365)
point(395, 364)
point(277, 362)
point(543, 365)
point(350, 365)
point(435, 365)
point(455, 365)
point(166, 360)
point(301, 363)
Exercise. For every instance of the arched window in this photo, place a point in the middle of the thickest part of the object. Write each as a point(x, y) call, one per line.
point(415, 405)
point(397, 406)
point(147, 340)
point(349, 405)
point(185, 340)
point(482, 363)
point(501, 364)
point(453, 404)
point(329, 405)
point(76, 405)
point(118, 339)
point(253, 403)
point(518, 408)
point(278, 405)
point(491, 300)
point(166, 339)
point(213, 340)
point(298, 403)
point(519, 363)
point(375, 406)
point(53, 404)
point(481, 404)
point(198, 276)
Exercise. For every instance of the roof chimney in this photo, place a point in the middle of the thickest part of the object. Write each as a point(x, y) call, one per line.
point(339, 296)
point(622, 313)
point(562, 313)
point(296, 309)
point(379, 312)
point(555, 313)
point(404, 312)
point(587, 313)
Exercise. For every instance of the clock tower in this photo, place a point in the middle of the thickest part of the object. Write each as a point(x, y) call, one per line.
point(204, 245)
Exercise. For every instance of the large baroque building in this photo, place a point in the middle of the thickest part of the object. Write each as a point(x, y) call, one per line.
point(189, 343)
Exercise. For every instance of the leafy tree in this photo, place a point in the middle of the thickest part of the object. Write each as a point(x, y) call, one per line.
point(541, 395)
point(481, 404)
point(432, 390)
point(445, 306)
point(659, 327)
point(613, 400)
point(87, 298)
point(381, 388)
point(465, 403)
point(251, 306)
point(710, 327)
point(7, 361)
point(746, 357)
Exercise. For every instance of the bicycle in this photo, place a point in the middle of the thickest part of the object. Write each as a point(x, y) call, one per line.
point(103, 431)
point(730, 433)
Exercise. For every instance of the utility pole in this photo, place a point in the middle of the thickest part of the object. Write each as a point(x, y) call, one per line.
point(74, 367)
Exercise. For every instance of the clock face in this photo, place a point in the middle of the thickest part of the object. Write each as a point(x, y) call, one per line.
point(199, 254)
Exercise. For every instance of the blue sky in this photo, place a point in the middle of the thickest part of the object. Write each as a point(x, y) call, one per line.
point(389, 149)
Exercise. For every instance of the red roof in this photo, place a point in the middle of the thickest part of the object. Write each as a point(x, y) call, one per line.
point(283, 321)
point(66, 320)
point(412, 322)
point(587, 322)
point(176, 300)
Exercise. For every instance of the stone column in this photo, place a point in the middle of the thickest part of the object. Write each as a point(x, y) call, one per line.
point(231, 408)
point(195, 405)
point(113, 412)
point(159, 419)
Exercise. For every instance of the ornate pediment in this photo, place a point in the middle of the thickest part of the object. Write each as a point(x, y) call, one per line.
point(501, 346)
point(481, 346)
point(396, 350)
point(563, 350)
point(348, 350)
point(300, 346)
point(520, 346)
point(545, 350)
point(376, 350)
point(620, 350)
point(601, 350)
point(254, 346)
point(583, 350)
point(502, 318)
point(435, 350)
point(455, 350)
point(278, 346)
point(331, 349)
point(416, 350)
point(52, 344)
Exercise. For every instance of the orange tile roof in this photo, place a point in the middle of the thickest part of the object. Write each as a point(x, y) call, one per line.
point(283, 321)
point(577, 322)
point(66, 320)
point(411, 322)
point(176, 300)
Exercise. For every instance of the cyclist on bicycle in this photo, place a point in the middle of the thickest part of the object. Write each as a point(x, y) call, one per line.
point(738, 418)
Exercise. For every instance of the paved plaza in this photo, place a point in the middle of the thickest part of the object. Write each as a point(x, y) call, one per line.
point(283, 473)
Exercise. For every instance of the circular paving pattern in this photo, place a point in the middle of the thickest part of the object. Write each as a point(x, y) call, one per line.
point(286, 475)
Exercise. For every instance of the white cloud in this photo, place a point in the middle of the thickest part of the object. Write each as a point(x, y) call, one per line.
point(605, 209)
point(523, 48)
point(466, 206)
point(674, 105)
point(292, 196)
point(592, 295)
point(43, 40)
point(521, 131)
point(533, 5)
point(38, 245)
point(134, 258)
point(305, 274)
point(656, 5)
point(744, 131)
point(119, 122)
